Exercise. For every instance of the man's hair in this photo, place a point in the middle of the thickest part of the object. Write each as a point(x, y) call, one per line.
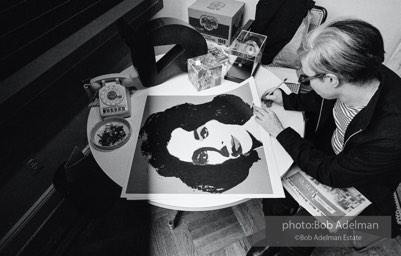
point(352, 49)
point(156, 133)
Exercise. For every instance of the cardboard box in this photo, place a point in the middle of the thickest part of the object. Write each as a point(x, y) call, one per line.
point(205, 71)
point(218, 21)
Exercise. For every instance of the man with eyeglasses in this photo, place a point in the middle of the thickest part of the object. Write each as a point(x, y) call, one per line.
point(355, 140)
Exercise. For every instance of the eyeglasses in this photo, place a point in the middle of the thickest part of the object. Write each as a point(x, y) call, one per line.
point(305, 80)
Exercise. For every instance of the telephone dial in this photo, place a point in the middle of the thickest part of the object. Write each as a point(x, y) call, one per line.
point(114, 97)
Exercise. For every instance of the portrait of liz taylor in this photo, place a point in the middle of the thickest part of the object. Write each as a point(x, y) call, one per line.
point(209, 144)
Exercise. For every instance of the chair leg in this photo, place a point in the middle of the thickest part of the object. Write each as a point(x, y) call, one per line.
point(370, 246)
point(370, 241)
point(173, 221)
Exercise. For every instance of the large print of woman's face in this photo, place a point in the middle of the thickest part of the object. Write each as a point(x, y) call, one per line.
point(211, 143)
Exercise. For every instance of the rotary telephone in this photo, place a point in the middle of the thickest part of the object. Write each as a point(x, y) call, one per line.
point(114, 97)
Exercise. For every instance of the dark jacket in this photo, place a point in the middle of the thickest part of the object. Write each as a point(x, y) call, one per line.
point(371, 158)
point(279, 20)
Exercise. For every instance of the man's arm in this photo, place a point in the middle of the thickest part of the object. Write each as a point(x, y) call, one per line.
point(358, 165)
point(309, 102)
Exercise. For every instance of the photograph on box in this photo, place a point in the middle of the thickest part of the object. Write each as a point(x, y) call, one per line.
point(245, 54)
point(203, 145)
point(248, 45)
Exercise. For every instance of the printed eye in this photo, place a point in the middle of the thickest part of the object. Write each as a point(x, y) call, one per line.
point(201, 158)
point(204, 132)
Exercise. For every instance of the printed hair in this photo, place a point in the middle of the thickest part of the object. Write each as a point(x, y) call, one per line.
point(156, 133)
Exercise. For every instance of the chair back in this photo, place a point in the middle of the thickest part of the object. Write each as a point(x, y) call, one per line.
point(319, 15)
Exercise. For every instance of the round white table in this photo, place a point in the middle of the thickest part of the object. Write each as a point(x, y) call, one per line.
point(117, 163)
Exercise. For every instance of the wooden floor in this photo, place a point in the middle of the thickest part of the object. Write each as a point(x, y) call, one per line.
point(225, 232)
point(140, 229)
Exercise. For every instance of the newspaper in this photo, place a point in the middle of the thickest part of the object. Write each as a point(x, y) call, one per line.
point(335, 205)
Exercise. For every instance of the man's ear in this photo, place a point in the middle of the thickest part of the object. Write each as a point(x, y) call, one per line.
point(333, 80)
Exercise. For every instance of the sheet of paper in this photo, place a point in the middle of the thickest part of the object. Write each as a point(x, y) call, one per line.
point(282, 73)
point(256, 175)
point(265, 79)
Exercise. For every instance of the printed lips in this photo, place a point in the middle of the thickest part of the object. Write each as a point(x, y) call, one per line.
point(236, 148)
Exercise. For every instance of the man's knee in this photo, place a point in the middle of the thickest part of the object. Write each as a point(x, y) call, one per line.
point(279, 206)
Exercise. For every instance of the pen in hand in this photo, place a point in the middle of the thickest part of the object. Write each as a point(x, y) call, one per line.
point(268, 103)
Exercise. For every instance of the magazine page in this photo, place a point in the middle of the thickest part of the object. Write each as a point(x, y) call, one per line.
point(334, 204)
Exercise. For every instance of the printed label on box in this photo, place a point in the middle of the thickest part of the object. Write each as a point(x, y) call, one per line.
point(217, 21)
point(209, 25)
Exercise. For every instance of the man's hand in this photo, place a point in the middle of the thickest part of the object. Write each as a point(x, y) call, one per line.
point(276, 97)
point(268, 120)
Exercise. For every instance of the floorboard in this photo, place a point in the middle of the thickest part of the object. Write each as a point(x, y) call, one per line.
point(222, 230)
point(138, 228)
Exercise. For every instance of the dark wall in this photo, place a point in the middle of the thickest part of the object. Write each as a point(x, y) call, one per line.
point(37, 25)
point(36, 53)
point(44, 107)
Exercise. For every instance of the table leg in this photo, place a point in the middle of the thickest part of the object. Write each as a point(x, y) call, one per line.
point(172, 222)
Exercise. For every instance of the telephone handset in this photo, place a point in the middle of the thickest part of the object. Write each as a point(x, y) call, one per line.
point(114, 98)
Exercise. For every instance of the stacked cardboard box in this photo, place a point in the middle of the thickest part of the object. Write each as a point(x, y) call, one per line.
point(218, 21)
